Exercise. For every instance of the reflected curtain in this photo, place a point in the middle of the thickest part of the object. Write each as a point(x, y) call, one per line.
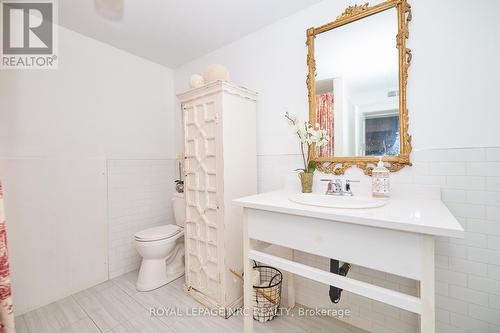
point(6, 309)
point(324, 117)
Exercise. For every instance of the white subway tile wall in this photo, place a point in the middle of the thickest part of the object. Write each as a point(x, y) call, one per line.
point(467, 270)
point(139, 197)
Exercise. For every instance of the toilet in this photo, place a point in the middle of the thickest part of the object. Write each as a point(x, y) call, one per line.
point(162, 250)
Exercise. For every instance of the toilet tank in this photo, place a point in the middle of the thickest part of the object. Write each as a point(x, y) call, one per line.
point(179, 205)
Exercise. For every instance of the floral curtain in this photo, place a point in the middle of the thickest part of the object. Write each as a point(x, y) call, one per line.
point(6, 310)
point(324, 117)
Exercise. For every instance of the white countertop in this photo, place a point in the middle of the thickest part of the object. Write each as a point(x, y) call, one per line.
point(425, 216)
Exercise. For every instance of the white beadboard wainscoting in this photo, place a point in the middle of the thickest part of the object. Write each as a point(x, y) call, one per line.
point(56, 227)
point(71, 222)
point(467, 270)
point(139, 197)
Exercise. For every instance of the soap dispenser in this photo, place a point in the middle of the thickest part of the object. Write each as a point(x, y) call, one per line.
point(380, 180)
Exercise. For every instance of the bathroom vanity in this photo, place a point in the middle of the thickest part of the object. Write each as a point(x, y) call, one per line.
point(397, 238)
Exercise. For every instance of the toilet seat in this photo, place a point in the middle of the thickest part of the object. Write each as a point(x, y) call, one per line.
point(158, 233)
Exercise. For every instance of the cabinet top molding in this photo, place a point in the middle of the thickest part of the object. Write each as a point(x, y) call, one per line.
point(215, 87)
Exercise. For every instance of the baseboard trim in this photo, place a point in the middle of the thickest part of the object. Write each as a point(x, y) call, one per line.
point(225, 311)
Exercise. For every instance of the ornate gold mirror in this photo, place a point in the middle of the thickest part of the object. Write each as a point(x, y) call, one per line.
point(358, 71)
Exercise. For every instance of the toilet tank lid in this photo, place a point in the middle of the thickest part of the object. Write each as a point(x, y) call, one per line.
point(157, 233)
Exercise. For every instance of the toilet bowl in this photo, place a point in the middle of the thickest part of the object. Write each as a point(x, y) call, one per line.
point(162, 250)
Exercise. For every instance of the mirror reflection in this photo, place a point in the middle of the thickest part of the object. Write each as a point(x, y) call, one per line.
point(357, 80)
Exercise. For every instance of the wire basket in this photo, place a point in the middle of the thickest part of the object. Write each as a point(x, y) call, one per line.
point(267, 295)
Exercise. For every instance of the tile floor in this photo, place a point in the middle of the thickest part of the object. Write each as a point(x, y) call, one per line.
point(115, 306)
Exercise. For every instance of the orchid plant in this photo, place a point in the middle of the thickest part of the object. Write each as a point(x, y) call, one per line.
point(309, 136)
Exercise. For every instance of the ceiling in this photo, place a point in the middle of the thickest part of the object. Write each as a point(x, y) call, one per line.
point(172, 32)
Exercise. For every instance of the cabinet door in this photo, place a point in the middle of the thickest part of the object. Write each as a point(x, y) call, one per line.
point(202, 212)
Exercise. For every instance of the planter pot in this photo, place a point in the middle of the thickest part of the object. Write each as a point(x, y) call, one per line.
point(306, 180)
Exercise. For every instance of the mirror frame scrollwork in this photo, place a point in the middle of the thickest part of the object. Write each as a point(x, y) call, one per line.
point(338, 165)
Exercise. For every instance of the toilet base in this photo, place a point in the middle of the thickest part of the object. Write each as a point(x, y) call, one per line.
point(155, 273)
point(148, 286)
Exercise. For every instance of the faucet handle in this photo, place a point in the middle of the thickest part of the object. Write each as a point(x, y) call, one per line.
point(348, 186)
point(334, 186)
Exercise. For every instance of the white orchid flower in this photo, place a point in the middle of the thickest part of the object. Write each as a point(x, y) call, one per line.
point(308, 135)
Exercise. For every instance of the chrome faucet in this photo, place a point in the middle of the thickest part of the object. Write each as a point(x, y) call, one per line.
point(335, 187)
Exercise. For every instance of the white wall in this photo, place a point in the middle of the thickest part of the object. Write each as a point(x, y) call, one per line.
point(452, 102)
point(449, 76)
point(58, 132)
point(139, 197)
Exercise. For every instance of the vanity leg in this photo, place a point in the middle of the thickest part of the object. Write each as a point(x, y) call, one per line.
point(247, 284)
point(427, 289)
point(291, 282)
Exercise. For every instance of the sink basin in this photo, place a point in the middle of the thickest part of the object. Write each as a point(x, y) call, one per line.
point(332, 201)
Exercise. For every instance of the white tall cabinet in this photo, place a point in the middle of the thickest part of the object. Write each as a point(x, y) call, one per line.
point(221, 165)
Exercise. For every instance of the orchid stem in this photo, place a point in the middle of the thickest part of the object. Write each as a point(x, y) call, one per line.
point(303, 156)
